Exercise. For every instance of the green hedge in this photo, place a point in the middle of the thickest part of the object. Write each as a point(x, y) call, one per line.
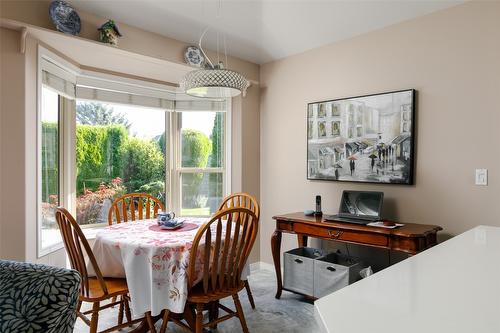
point(143, 163)
point(99, 151)
point(104, 152)
point(196, 148)
point(50, 165)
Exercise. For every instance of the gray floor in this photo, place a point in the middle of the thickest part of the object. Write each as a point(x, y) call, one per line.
point(291, 313)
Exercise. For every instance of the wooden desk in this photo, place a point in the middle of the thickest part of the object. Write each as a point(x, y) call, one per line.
point(410, 238)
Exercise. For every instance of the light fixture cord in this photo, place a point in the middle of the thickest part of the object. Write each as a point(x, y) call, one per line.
point(219, 15)
point(218, 53)
point(201, 48)
point(226, 64)
point(219, 9)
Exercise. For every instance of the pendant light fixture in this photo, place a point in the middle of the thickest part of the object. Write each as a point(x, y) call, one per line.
point(214, 81)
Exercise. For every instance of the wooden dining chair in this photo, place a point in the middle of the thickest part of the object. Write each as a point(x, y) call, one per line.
point(134, 206)
point(219, 252)
point(96, 289)
point(247, 201)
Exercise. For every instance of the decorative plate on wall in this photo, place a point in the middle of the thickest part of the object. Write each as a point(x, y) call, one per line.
point(65, 17)
point(193, 56)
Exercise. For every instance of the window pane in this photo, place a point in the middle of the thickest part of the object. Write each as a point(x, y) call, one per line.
point(202, 139)
point(119, 149)
point(50, 167)
point(201, 193)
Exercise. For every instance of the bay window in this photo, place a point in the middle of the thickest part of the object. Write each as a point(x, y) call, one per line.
point(100, 139)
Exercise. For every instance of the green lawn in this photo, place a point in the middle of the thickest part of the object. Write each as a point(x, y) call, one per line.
point(203, 211)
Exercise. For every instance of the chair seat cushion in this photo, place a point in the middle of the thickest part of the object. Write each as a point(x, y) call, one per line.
point(37, 298)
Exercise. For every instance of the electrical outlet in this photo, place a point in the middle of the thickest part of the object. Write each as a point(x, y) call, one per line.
point(482, 177)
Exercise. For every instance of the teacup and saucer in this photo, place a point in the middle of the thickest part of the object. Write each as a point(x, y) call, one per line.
point(167, 220)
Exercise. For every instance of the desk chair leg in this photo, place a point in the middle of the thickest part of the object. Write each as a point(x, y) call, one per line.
point(239, 311)
point(199, 318)
point(151, 323)
point(249, 293)
point(120, 311)
point(128, 314)
point(95, 318)
point(213, 313)
point(164, 324)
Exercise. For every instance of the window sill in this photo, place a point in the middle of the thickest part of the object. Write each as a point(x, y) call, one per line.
point(90, 231)
point(50, 249)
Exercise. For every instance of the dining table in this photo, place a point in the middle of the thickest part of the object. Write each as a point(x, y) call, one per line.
point(153, 260)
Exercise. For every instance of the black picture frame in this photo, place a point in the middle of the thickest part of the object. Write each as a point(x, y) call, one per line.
point(375, 133)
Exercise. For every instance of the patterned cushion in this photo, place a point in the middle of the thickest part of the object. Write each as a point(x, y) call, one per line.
point(37, 298)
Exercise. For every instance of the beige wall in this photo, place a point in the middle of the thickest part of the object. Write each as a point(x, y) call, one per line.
point(12, 180)
point(2, 50)
point(134, 40)
point(250, 134)
point(453, 59)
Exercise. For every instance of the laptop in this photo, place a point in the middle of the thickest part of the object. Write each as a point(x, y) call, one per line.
point(360, 207)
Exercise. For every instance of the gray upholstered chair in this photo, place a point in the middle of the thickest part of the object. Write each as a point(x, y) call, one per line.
point(37, 298)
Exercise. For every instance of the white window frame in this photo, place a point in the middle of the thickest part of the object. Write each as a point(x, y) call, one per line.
point(176, 170)
point(66, 163)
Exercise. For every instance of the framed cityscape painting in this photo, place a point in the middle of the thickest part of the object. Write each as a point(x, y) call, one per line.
point(367, 139)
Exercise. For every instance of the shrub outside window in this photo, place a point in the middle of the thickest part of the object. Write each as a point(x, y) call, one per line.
point(119, 149)
point(202, 162)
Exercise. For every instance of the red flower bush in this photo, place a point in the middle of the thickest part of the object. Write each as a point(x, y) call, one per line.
point(48, 209)
point(89, 205)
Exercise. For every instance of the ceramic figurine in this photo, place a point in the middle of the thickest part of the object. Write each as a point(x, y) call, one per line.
point(109, 33)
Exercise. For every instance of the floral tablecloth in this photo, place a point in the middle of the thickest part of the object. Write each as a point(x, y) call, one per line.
point(154, 263)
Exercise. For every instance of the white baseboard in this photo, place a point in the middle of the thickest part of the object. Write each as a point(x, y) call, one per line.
point(260, 265)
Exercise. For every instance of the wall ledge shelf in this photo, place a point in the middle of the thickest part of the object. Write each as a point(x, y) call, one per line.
point(97, 56)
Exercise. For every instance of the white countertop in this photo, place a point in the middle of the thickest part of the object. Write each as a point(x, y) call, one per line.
point(453, 287)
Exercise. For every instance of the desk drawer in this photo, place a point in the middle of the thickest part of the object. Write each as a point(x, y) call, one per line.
point(342, 235)
point(285, 225)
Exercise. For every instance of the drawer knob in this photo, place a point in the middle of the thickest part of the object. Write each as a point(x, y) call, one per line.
point(334, 234)
point(331, 269)
point(298, 261)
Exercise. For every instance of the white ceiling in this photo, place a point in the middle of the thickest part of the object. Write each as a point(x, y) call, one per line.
point(262, 30)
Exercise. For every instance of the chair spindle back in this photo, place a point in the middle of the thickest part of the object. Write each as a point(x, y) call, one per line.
point(222, 246)
point(241, 200)
point(134, 206)
point(78, 248)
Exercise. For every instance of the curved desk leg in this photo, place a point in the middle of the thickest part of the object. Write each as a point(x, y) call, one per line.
point(276, 246)
point(302, 240)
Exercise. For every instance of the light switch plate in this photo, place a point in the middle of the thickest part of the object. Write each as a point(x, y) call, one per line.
point(482, 177)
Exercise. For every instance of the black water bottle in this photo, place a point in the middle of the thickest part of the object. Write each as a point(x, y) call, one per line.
point(318, 211)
